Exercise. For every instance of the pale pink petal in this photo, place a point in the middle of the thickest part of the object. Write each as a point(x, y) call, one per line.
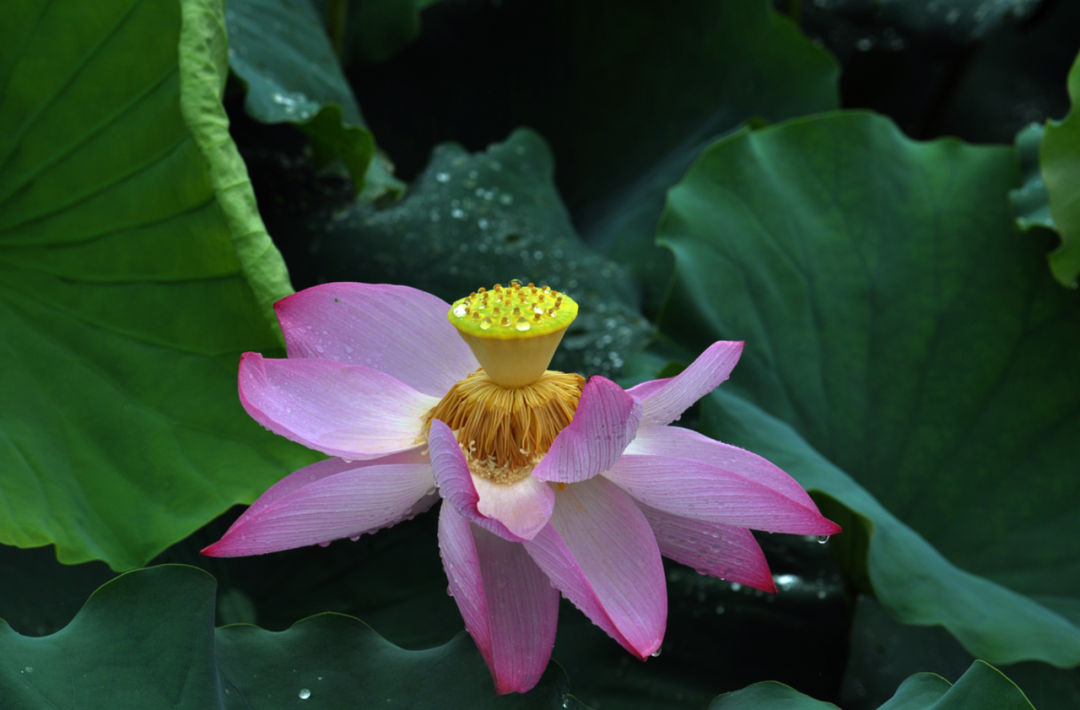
point(516, 512)
point(692, 489)
point(509, 606)
point(722, 551)
point(327, 501)
point(600, 552)
point(393, 329)
point(683, 443)
point(605, 422)
point(664, 401)
point(523, 507)
point(342, 410)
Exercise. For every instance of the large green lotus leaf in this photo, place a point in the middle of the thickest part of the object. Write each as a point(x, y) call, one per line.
point(982, 687)
point(282, 52)
point(723, 64)
point(904, 356)
point(147, 640)
point(134, 270)
point(475, 219)
point(1060, 159)
point(883, 652)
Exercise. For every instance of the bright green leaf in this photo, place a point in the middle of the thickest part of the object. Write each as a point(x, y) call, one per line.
point(903, 346)
point(134, 270)
point(1060, 159)
point(147, 640)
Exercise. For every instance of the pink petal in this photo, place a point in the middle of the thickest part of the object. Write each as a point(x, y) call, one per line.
point(326, 501)
point(604, 423)
point(691, 489)
point(722, 551)
point(509, 606)
point(664, 401)
point(599, 551)
point(515, 512)
point(683, 443)
point(393, 329)
point(342, 410)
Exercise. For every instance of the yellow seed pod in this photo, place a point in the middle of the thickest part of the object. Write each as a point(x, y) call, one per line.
point(514, 350)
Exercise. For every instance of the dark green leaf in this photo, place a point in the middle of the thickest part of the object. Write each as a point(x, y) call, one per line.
point(281, 51)
point(1030, 201)
point(134, 270)
point(147, 640)
point(476, 219)
point(723, 64)
point(903, 346)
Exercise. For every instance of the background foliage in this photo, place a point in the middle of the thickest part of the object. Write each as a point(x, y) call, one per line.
point(168, 170)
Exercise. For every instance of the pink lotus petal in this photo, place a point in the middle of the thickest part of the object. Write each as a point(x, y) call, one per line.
point(722, 551)
point(664, 401)
point(327, 501)
point(393, 329)
point(605, 422)
point(331, 467)
point(600, 552)
point(692, 489)
point(342, 410)
point(676, 441)
point(515, 512)
point(509, 606)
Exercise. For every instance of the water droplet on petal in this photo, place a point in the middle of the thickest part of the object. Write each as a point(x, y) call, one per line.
point(822, 539)
point(305, 693)
point(324, 544)
point(655, 654)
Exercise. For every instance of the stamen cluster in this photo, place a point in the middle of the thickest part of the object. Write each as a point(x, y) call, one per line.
point(505, 432)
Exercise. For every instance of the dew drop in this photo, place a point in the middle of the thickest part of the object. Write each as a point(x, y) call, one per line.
point(354, 538)
point(449, 592)
point(485, 324)
point(460, 310)
point(522, 324)
point(324, 544)
point(822, 539)
point(305, 693)
point(655, 654)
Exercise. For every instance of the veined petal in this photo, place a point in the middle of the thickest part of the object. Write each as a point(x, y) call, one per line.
point(699, 491)
point(393, 329)
point(342, 410)
point(515, 512)
point(326, 501)
point(605, 422)
point(600, 552)
point(664, 401)
point(722, 551)
point(509, 606)
point(676, 441)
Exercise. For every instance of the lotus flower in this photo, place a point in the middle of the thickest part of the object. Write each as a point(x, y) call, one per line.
point(550, 483)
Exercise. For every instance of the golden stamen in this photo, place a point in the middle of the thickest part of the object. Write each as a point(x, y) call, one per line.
point(504, 432)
